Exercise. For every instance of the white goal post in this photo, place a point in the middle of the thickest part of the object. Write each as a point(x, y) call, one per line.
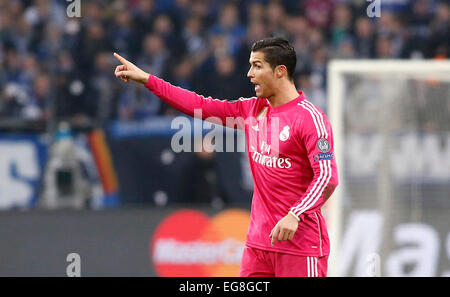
point(338, 70)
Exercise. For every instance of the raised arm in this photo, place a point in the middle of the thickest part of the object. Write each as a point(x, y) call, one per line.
point(229, 113)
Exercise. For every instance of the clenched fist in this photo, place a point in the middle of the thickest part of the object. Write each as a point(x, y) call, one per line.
point(284, 229)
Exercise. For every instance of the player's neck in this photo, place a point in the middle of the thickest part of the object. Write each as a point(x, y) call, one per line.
point(284, 93)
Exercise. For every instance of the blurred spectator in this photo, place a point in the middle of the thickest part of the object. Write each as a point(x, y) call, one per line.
point(256, 30)
point(223, 82)
point(256, 12)
point(194, 39)
point(30, 70)
point(217, 48)
point(421, 16)
point(303, 37)
point(318, 12)
point(93, 41)
point(154, 55)
point(14, 71)
point(200, 182)
point(21, 34)
point(76, 99)
point(51, 44)
point(179, 13)
point(440, 31)
point(229, 26)
point(180, 75)
point(342, 24)
point(310, 86)
point(364, 38)
point(391, 28)
point(13, 99)
point(136, 103)
point(122, 34)
point(37, 106)
point(201, 9)
point(143, 15)
point(6, 27)
point(319, 66)
point(275, 15)
point(345, 49)
point(164, 27)
point(43, 11)
point(102, 82)
point(92, 12)
point(384, 49)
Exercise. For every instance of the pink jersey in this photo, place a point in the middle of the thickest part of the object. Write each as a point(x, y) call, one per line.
point(290, 149)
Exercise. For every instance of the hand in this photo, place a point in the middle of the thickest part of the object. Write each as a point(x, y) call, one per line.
point(284, 229)
point(128, 71)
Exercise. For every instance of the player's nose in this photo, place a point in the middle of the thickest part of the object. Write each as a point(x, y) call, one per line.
point(250, 73)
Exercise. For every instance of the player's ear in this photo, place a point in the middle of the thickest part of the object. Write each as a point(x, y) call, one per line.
point(280, 70)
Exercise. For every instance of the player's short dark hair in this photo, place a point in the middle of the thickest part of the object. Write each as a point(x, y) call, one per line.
point(277, 51)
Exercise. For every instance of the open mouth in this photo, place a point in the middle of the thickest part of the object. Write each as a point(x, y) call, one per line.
point(257, 86)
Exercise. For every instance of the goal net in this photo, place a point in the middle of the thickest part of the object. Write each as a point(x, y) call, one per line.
point(390, 214)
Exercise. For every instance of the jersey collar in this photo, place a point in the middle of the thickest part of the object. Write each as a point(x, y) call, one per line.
point(290, 104)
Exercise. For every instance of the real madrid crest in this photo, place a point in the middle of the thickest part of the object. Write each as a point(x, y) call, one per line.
point(284, 134)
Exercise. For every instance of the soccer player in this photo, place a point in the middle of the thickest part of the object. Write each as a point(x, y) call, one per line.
point(290, 148)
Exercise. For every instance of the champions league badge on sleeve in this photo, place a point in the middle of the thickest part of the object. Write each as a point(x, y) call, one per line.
point(320, 157)
point(323, 145)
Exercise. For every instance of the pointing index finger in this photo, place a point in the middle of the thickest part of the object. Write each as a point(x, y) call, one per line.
point(120, 58)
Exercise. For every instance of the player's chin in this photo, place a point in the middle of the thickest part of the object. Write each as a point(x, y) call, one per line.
point(259, 93)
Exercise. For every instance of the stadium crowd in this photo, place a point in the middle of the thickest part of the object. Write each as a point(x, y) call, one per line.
point(52, 65)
